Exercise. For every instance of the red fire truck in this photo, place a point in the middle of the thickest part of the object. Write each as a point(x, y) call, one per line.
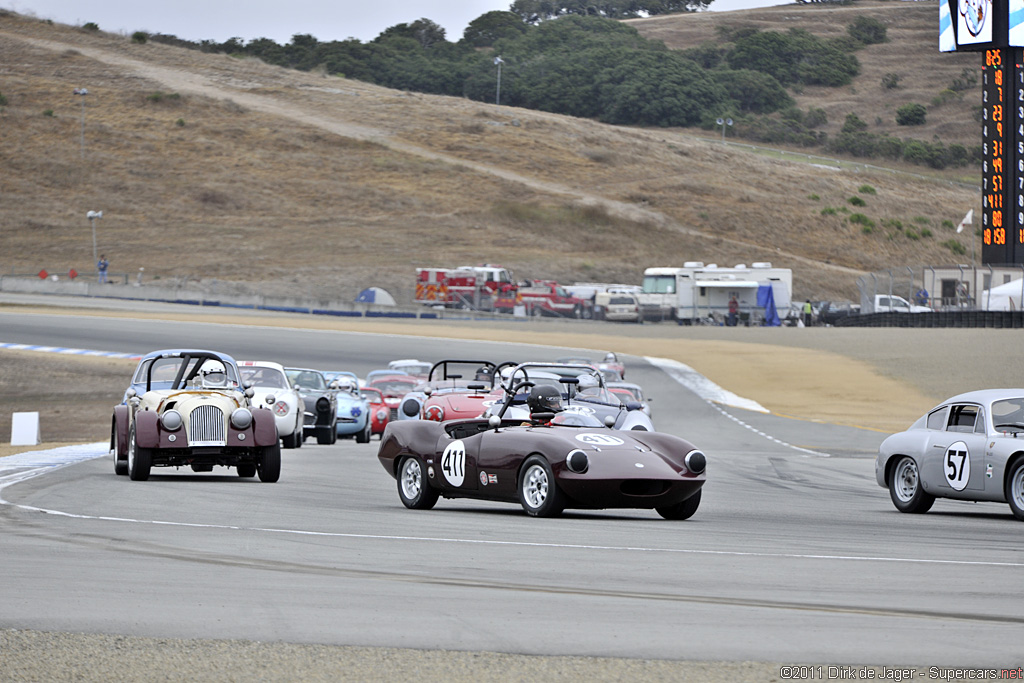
point(544, 297)
point(471, 287)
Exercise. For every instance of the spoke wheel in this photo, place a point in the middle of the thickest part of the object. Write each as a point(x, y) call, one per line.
point(905, 488)
point(538, 492)
point(413, 489)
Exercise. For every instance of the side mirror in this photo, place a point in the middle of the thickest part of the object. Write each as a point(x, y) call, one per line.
point(633, 405)
point(131, 393)
point(494, 422)
point(609, 421)
point(427, 391)
point(249, 393)
point(270, 399)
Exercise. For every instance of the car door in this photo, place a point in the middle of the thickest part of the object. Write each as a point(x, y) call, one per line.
point(456, 462)
point(955, 455)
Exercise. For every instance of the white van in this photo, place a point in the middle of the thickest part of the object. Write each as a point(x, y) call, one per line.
point(624, 307)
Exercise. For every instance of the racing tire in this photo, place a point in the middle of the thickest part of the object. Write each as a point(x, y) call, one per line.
point(291, 441)
point(334, 433)
point(1014, 488)
point(269, 464)
point(681, 511)
point(324, 438)
point(364, 436)
point(538, 491)
point(905, 488)
point(413, 489)
point(120, 464)
point(246, 469)
point(140, 460)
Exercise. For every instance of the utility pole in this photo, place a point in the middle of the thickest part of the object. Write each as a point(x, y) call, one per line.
point(498, 61)
point(83, 92)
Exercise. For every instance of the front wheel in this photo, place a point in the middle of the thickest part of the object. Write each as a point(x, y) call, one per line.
point(364, 436)
point(1015, 489)
point(140, 460)
point(905, 488)
point(681, 511)
point(413, 489)
point(269, 464)
point(293, 440)
point(120, 461)
point(538, 492)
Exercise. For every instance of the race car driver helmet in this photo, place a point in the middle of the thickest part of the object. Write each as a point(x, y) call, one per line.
point(545, 399)
point(214, 374)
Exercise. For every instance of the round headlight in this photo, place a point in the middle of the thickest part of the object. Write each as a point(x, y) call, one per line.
point(695, 462)
point(411, 407)
point(323, 405)
point(577, 461)
point(241, 418)
point(434, 412)
point(171, 420)
point(382, 415)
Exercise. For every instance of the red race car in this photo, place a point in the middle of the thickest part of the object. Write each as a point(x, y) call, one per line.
point(378, 409)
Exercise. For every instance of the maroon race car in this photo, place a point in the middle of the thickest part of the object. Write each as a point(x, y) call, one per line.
point(556, 460)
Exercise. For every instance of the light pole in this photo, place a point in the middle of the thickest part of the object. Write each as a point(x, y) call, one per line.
point(723, 123)
point(83, 92)
point(498, 61)
point(92, 216)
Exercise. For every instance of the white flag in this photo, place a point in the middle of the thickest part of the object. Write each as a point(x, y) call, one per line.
point(969, 218)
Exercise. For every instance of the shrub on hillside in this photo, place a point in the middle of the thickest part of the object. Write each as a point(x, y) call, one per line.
point(140, 37)
point(911, 115)
point(891, 81)
point(867, 30)
point(91, 26)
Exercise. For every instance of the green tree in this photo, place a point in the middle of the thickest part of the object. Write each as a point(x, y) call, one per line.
point(752, 91)
point(492, 26)
point(424, 31)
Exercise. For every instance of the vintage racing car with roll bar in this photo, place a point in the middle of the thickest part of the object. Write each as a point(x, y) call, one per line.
point(553, 460)
point(188, 408)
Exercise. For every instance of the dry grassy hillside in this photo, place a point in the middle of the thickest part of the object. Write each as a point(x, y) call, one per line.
point(911, 52)
point(209, 167)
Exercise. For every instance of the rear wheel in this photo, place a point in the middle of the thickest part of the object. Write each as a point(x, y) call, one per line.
point(681, 511)
point(324, 437)
point(1015, 489)
point(538, 492)
point(140, 460)
point(413, 489)
point(120, 459)
point(905, 488)
point(269, 464)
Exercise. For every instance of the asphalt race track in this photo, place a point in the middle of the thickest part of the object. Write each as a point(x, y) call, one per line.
point(795, 555)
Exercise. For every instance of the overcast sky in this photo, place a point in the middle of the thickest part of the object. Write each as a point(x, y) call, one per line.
point(278, 20)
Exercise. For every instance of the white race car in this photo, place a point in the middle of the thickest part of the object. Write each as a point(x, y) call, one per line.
point(272, 389)
point(970, 447)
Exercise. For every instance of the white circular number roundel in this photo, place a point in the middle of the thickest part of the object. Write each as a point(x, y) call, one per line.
point(600, 439)
point(453, 463)
point(957, 466)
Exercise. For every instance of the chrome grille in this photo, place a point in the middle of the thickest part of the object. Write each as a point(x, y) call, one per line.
point(393, 414)
point(206, 426)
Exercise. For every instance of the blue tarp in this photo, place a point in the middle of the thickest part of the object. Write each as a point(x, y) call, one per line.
point(766, 300)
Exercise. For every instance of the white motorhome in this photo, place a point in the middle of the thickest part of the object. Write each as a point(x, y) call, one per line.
point(699, 292)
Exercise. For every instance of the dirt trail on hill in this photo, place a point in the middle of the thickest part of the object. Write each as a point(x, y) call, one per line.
point(197, 84)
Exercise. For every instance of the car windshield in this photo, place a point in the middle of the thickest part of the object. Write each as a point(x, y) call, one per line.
point(307, 379)
point(372, 395)
point(393, 387)
point(165, 370)
point(1008, 412)
point(264, 377)
point(572, 419)
point(626, 392)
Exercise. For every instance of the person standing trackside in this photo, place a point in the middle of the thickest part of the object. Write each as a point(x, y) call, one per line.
point(734, 309)
point(101, 266)
point(807, 313)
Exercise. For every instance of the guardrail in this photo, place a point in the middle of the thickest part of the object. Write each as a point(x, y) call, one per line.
point(993, 319)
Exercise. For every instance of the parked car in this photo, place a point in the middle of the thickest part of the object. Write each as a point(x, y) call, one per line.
point(321, 417)
point(353, 411)
point(552, 460)
point(617, 307)
point(969, 447)
point(272, 388)
point(890, 303)
point(187, 408)
point(378, 409)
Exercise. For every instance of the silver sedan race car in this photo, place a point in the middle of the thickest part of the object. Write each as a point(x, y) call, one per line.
point(971, 447)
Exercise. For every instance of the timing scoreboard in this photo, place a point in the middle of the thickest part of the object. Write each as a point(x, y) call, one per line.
point(996, 29)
